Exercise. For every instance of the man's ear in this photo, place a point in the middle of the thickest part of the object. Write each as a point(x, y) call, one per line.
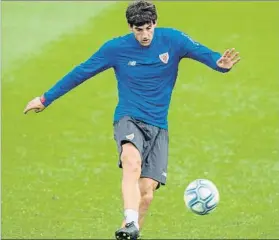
point(155, 24)
point(130, 27)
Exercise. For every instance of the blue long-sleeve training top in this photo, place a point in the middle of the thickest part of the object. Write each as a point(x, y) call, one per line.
point(145, 75)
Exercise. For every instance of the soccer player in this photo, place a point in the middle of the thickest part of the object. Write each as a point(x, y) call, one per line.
point(145, 62)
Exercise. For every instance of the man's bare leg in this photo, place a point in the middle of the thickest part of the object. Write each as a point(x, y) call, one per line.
point(131, 165)
point(147, 187)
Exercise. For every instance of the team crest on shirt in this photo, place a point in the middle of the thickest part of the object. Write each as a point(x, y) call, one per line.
point(164, 57)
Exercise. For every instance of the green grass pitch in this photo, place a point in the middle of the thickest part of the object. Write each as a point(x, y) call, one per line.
point(59, 168)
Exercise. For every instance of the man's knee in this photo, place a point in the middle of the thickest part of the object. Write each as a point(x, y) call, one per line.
point(130, 157)
point(147, 188)
point(147, 199)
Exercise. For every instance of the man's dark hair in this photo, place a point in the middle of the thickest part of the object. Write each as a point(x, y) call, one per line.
point(141, 12)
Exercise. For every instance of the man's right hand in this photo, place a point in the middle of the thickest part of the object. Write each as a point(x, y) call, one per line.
point(35, 104)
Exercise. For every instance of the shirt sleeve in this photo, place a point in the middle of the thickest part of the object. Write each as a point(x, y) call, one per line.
point(188, 48)
point(98, 62)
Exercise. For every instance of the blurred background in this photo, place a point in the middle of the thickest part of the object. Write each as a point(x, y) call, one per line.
point(59, 168)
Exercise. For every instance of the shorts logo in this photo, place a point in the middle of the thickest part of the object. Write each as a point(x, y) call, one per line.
point(130, 136)
point(164, 57)
point(164, 174)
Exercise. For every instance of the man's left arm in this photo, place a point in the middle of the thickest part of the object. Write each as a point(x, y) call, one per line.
point(194, 50)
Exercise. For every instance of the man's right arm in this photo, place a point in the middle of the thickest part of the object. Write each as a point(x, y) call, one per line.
point(98, 62)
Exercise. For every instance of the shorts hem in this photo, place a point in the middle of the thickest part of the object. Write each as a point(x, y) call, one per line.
point(160, 182)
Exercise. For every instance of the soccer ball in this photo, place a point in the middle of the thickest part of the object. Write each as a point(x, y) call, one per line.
point(201, 196)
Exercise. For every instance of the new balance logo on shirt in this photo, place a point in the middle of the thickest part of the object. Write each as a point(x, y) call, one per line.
point(132, 63)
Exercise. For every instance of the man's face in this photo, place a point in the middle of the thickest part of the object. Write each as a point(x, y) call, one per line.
point(144, 34)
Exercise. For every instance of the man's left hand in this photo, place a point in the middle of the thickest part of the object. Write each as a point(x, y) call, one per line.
point(229, 59)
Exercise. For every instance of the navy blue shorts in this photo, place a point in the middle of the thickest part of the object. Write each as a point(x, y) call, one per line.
point(152, 143)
